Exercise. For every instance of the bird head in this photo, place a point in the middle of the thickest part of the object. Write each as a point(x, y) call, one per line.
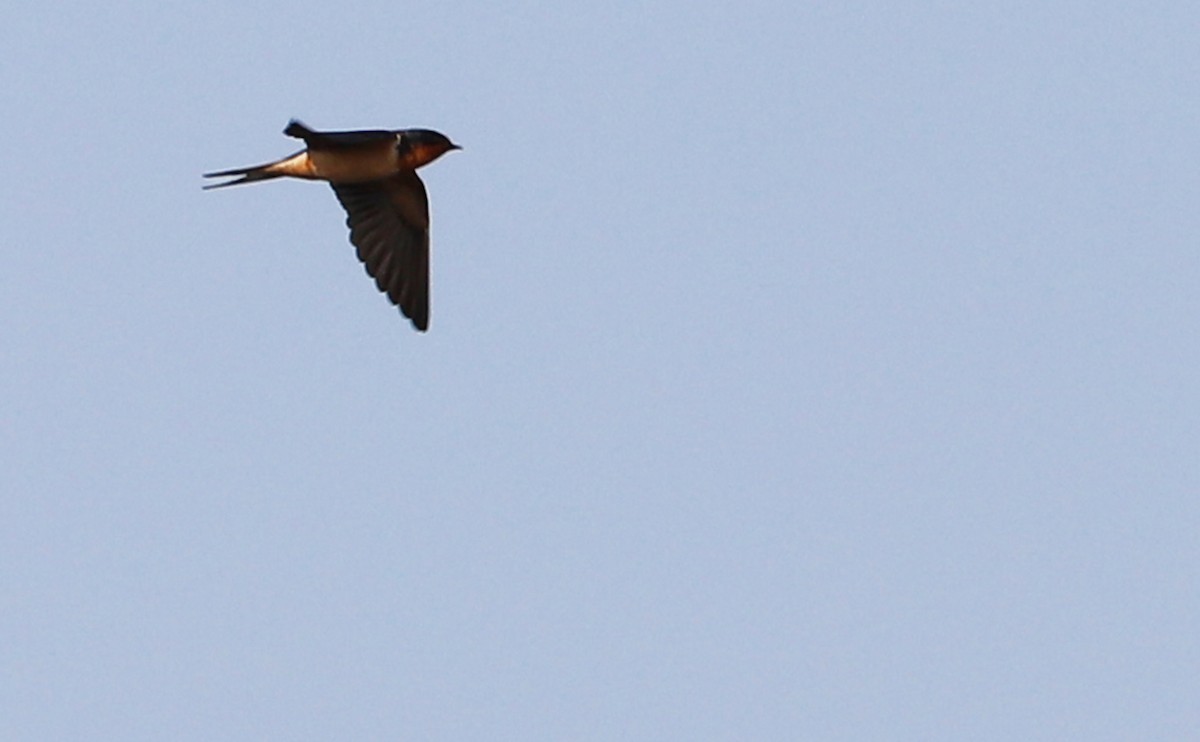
point(418, 147)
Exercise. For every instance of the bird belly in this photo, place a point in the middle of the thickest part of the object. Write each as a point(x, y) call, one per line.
point(354, 166)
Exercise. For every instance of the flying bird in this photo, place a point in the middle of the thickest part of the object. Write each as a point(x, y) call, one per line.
point(374, 175)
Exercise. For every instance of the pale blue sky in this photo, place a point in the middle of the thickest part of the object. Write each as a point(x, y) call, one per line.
point(795, 372)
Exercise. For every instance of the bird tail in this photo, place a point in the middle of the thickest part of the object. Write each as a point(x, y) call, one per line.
point(248, 175)
point(294, 165)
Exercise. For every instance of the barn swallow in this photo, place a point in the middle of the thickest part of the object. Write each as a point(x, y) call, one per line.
point(374, 175)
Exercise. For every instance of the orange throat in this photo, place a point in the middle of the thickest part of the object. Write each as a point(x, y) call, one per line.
point(423, 154)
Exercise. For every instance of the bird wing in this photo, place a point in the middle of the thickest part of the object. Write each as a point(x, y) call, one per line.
point(337, 139)
point(389, 224)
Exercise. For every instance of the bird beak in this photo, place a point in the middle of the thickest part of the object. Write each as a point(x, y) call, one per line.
point(455, 146)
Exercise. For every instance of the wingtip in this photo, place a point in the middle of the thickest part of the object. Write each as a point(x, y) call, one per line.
point(419, 321)
point(296, 128)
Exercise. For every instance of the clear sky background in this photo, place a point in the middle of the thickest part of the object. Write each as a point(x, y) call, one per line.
point(796, 371)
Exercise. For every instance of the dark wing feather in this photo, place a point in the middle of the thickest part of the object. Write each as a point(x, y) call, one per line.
point(337, 139)
point(389, 224)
